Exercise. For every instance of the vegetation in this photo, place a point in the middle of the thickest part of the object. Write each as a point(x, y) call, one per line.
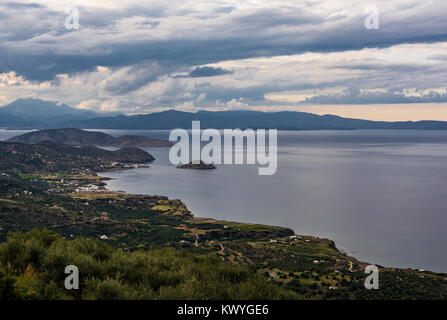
point(32, 267)
point(28, 159)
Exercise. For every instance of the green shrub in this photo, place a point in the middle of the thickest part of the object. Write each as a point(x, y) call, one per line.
point(32, 266)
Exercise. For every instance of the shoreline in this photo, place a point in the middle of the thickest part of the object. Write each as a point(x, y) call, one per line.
point(342, 251)
point(333, 243)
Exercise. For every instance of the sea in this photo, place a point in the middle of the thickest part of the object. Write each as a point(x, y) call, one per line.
point(381, 195)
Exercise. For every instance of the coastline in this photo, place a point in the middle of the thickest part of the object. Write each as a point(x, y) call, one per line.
point(80, 205)
point(341, 251)
point(331, 242)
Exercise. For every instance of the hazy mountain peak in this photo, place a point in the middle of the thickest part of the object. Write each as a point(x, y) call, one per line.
point(31, 112)
point(32, 106)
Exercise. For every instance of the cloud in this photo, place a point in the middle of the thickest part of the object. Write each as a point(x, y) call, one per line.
point(137, 56)
point(19, 5)
point(357, 97)
point(198, 34)
point(203, 72)
point(129, 79)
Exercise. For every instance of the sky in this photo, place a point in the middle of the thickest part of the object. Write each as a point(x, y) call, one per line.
point(379, 60)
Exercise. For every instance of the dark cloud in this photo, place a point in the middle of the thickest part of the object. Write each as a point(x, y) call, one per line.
point(141, 44)
point(223, 36)
point(203, 72)
point(208, 72)
point(133, 78)
point(18, 5)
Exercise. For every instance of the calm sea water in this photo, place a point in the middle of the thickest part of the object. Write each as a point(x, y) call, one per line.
point(380, 195)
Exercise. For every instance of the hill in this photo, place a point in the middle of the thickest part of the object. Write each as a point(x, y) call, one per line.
point(78, 137)
point(53, 156)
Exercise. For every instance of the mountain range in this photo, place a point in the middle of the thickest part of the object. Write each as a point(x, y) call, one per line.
point(37, 114)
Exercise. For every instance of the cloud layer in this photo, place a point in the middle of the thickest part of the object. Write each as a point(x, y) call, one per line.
point(136, 57)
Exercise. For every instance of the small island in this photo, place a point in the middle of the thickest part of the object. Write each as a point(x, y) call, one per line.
point(197, 164)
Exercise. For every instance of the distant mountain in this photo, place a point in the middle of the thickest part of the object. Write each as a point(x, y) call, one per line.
point(38, 114)
point(78, 137)
point(35, 113)
point(40, 108)
point(284, 120)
